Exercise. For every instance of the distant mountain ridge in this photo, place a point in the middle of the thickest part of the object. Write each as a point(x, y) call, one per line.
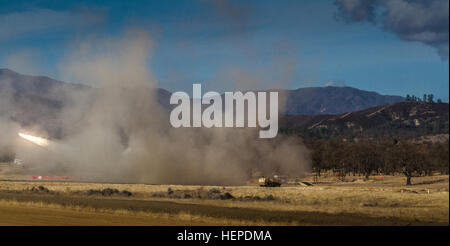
point(407, 119)
point(332, 100)
point(302, 101)
point(38, 99)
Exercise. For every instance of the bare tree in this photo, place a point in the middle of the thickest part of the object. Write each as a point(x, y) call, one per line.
point(409, 159)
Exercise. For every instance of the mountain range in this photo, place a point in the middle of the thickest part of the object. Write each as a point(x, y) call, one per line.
point(408, 119)
point(37, 100)
point(302, 101)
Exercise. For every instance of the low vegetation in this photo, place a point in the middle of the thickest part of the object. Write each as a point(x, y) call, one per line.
point(380, 200)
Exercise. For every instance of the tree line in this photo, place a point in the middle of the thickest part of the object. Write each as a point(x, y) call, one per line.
point(428, 98)
point(366, 158)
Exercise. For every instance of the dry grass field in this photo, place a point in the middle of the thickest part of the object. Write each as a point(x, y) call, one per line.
point(382, 200)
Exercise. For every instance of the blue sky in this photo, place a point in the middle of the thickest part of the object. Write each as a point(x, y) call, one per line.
point(287, 44)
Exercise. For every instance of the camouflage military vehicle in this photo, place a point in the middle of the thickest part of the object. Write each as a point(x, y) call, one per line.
point(269, 182)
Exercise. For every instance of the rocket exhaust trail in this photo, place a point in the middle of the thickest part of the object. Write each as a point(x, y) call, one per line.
point(34, 139)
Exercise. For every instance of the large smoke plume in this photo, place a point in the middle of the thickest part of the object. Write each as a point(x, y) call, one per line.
point(119, 132)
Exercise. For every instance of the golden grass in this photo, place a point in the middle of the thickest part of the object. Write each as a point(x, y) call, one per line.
point(427, 201)
point(76, 215)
